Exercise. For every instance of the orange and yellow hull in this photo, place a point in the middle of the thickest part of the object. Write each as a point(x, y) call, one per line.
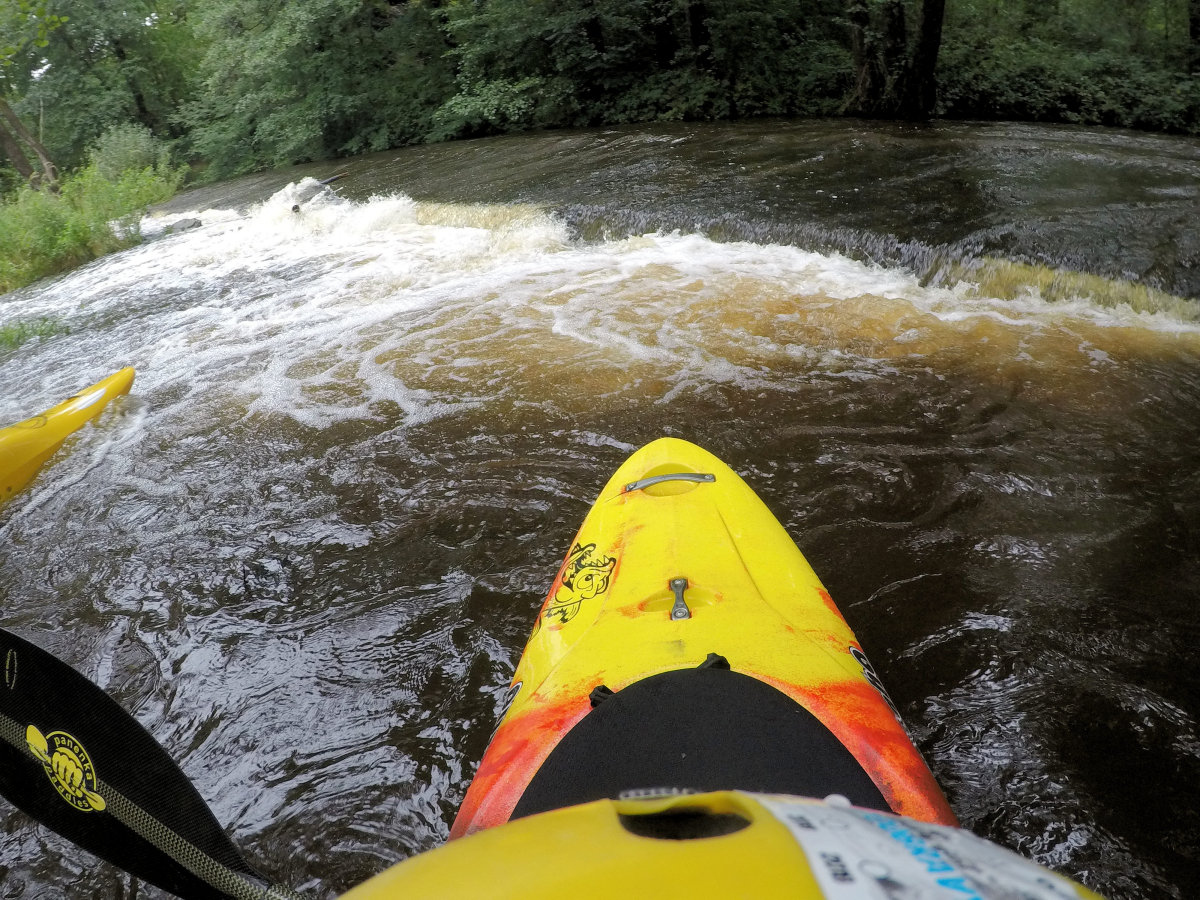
point(674, 511)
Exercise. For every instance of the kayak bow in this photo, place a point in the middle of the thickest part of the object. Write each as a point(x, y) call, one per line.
point(26, 446)
point(687, 643)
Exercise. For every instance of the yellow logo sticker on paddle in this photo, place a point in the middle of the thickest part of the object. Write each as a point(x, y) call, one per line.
point(68, 766)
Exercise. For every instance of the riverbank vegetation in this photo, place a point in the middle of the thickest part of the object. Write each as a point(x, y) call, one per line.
point(240, 85)
point(14, 334)
point(92, 211)
point(110, 93)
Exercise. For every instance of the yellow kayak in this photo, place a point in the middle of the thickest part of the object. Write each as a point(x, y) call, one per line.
point(721, 844)
point(689, 688)
point(686, 642)
point(25, 447)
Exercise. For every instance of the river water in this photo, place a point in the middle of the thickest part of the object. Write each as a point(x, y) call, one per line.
point(959, 362)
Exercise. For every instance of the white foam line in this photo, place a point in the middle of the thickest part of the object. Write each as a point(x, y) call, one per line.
point(256, 312)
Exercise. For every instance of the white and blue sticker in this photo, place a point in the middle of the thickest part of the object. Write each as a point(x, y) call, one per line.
point(859, 854)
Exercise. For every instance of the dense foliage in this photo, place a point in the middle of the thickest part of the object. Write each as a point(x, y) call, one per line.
point(237, 85)
point(520, 64)
point(1111, 62)
point(94, 211)
point(14, 334)
point(284, 81)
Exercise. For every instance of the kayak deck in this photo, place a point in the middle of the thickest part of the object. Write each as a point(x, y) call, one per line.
point(679, 559)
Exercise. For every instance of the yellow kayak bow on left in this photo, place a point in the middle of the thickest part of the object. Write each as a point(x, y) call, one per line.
point(25, 447)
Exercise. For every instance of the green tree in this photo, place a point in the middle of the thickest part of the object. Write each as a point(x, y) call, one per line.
point(538, 63)
point(113, 62)
point(249, 84)
point(1104, 62)
point(24, 26)
point(288, 82)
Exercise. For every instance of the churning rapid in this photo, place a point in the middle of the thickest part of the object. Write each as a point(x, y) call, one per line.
point(959, 364)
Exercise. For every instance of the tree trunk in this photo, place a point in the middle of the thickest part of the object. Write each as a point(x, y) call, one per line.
point(49, 172)
point(879, 44)
point(921, 83)
point(16, 156)
point(662, 29)
point(697, 18)
point(895, 75)
point(1194, 36)
point(146, 117)
point(868, 81)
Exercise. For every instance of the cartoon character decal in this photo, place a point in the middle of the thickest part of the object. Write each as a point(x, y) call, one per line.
point(585, 575)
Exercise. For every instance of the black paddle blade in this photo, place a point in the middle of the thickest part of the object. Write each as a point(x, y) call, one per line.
point(73, 759)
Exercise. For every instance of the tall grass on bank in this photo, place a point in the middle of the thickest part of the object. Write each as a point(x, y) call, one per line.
point(14, 334)
point(44, 233)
